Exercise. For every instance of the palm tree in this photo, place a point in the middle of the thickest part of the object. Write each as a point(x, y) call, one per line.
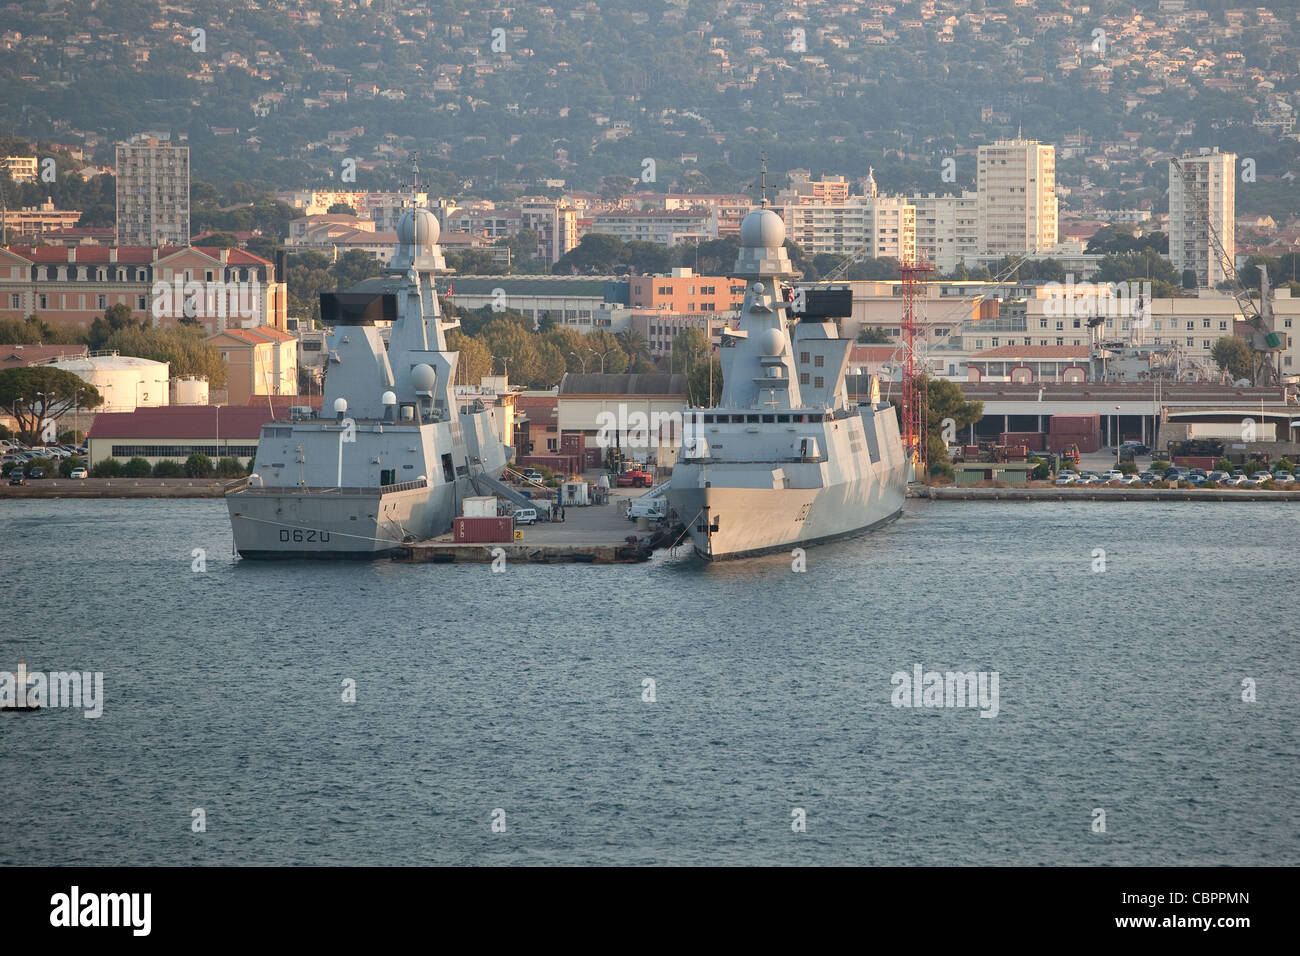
point(634, 344)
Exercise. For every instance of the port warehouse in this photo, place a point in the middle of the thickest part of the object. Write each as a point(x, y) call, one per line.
point(1151, 413)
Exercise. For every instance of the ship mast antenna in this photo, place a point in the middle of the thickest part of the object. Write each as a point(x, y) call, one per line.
point(762, 157)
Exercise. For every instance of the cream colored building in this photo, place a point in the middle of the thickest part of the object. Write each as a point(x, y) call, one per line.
point(260, 361)
point(22, 169)
point(1210, 199)
point(947, 228)
point(1016, 192)
point(864, 226)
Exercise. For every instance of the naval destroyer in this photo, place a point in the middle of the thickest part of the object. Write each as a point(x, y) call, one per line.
point(392, 454)
point(785, 459)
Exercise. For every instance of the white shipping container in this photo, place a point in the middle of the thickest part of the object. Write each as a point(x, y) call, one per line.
point(480, 506)
point(1233, 431)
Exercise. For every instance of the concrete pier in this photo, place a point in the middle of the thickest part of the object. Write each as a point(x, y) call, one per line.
point(595, 534)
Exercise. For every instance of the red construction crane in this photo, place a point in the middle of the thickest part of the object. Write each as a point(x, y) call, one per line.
point(914, 392)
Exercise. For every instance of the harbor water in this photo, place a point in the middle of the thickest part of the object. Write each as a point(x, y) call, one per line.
point(666, 712)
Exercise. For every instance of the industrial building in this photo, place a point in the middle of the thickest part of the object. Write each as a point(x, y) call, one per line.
point(175, 433)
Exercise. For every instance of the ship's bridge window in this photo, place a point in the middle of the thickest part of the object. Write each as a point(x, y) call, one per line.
point(769, 419)
point(752, 419)
point(783, 419)
point(708, 419)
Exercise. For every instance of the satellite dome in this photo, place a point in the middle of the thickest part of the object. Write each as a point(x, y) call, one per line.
point(388, 398)
point(340, 405)
point(770, 341)
point(762, 228)
point(418, 227)
point(423, 376)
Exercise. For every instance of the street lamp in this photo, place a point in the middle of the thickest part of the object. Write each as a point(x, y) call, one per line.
point(1117, 437)
point(582, 360)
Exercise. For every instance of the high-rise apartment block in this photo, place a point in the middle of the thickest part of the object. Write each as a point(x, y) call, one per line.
point(1016, 186)
point(1204, 200)
point(153, 195)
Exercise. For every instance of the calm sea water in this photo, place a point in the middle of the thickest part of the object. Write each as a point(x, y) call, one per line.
point(1118, 690)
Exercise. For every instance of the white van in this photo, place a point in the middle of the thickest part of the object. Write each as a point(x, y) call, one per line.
point(655, 509)
point(525, 516)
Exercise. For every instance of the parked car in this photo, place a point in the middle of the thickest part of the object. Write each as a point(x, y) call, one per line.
point(16, 477)
point(1283, 477)
point(1261, 476)
point(1063, 479)
point(525, 516)
point(1112, 474)
point(36, 473)
point(79, 473)
point(1135, 446)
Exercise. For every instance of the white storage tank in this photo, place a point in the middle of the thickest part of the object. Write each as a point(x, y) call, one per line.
point(190, 391)
point(126, 382)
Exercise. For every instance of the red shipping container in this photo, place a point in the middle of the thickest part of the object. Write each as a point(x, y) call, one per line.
point(483, 530)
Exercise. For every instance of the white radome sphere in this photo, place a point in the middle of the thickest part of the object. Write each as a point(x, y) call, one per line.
point(418, 227)
point(423, 376)
point(770, 341)
point(340, 405)
point(762, 228)
point(388, 398)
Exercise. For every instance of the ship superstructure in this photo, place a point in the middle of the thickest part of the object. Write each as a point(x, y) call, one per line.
point(391, 455)
point(785, 459)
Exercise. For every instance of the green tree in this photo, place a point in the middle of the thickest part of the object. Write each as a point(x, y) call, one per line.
point(43, 393)
point(340, 209)
point(229, 468)
point(70, 464)
point(107, 468)
point(475, 357)
point(871, 335)
point(633, 344)
point(688, 350)
point(550, 366)
point(1235, 356)
point(169, 468)
point(596, 253)
point(513, 349)
point(702, 375)
point(199, 465)
point(137, 468)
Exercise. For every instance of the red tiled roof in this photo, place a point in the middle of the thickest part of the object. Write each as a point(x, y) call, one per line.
point(539, 409)
point(127, 254)
point(873, 353)
point(20, 356)
point(183, 421)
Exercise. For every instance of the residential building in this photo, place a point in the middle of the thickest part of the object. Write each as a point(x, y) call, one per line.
point(684, 291)
point(1016, 194)
point(863, 226)
point(556, 225)
point(947, 228)
point(663, 227)
point(73, 285)
point(153, 195)
point(260, 361)
point(1201, 201)
point(22, 169)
